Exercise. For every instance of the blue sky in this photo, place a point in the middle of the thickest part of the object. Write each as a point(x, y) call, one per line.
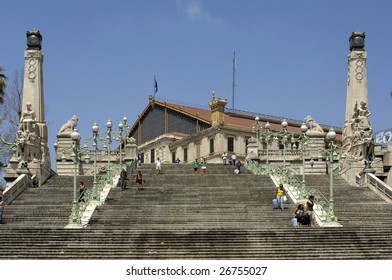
point(101, 56)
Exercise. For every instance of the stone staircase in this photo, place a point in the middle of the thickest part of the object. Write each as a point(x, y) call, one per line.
point(180, 199)
point(47, 206)
point(354, 206)
point(181, 215)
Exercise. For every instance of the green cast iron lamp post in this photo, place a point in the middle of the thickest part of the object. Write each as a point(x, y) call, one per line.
point(284, 133)
point(331, 135)
point(266, 137)
point(74, 219)
point(303, 140)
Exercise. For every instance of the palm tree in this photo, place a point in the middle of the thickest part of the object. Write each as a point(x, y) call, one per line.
point(3, 85)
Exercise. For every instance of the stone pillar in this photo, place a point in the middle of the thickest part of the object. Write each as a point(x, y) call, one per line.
point(253, 149)
point(64, 147)
point(33, 82)
point(130, 150)
point(357, 138)
point(357, 90)
point(32, 136)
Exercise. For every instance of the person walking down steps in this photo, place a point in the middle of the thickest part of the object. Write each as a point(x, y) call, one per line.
point(203, 166)
point(195, 165)
point(139, 180)
point(158, 165)
point(123, 179)
point(280, 194)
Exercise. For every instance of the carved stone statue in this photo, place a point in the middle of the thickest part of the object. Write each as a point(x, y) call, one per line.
point(361, 116)
point(358, 134)
point(313, 127)
point(28, 114)
point(69, 126)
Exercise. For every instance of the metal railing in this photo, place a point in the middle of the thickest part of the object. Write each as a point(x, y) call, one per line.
point(371, 180)
point(321, 204)
point(254, 166)
point(102, 181)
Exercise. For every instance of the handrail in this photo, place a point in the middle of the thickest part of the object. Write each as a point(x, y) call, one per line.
point(102, 181)
point(321, 202)
point(254, 166)
point(131, 167)
point(370, 180)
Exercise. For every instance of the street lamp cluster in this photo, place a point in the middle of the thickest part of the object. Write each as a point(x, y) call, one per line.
point(267, 136)
point(285, 137)
point(76, 152)
point(122, 127)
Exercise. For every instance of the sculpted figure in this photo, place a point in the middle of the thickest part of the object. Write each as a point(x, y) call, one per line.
point(28, 118)
point(362, 116)
point(69, 126)
point(358, 134)
point(28, 114)
point(314, 128)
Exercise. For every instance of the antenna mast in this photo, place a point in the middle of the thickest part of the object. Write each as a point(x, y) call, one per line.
point(234, 68)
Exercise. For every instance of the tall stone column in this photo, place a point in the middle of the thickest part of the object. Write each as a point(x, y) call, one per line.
point(358, 142)
point(33, 90)
point(33, 132)
point(357, 89)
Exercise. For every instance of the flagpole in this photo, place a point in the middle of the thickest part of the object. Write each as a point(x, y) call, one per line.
point(233, 79)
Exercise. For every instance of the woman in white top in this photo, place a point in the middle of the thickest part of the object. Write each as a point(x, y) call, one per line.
point(158, 165)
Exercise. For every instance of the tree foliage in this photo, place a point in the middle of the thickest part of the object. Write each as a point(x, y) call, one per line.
point(3, 85)
point(10, 111)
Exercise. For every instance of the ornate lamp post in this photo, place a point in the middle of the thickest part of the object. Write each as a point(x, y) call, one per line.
point(266, 136)
point(74, 219)
point(122, 127)
point(93, 139)
point(56, 146)
point(109, 140)
point(331, 135)
point(120, 130)
point(8, 146)
point(303, 140)
point(284, 133)
point(256, 127)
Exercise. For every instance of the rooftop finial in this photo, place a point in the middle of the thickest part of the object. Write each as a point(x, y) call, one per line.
point(34, 39)
point(357, 41)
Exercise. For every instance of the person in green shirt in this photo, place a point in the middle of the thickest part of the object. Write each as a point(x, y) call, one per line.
point(196, 165)
point(203, 166)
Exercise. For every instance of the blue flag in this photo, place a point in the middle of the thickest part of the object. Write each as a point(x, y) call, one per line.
point(155, 86)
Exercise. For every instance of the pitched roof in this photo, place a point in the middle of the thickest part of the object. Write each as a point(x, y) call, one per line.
point(233, 118)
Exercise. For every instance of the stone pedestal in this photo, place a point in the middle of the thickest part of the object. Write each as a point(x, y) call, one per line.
point(316, 147)
point(349, 168)
point(253, 149)
point(64, 148)
point(130, 150)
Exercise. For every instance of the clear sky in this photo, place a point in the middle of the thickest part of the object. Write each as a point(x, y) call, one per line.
point(101, 56)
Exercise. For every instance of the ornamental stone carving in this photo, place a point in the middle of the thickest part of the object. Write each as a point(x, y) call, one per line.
point(69, 126)
point(313, 127)
point(358, 134)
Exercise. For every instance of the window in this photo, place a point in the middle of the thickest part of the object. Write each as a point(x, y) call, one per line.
point(230, 144)
point(152, 156)
point(211, 146)
point(185, 154)
point(142, 158)
point(173, 157)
